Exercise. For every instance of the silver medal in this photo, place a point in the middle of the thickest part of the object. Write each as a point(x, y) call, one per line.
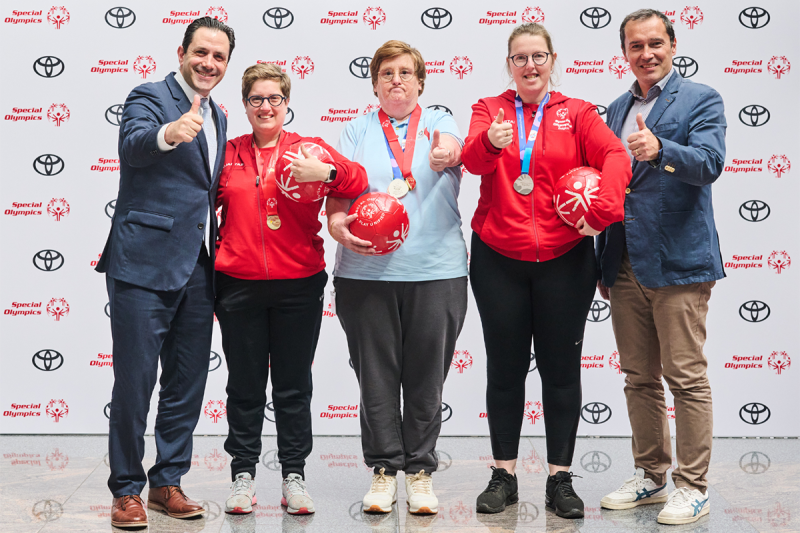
point(523, 185)
point(398, 188)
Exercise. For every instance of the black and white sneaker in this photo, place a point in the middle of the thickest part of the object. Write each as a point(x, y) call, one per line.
point(502, 491)
point(560, 497)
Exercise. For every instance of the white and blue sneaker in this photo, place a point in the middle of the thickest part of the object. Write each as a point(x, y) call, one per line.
point(636, 491)
point(684, 506)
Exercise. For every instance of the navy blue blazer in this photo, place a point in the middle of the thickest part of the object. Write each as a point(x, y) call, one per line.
point(669, 217)
point(164, 197)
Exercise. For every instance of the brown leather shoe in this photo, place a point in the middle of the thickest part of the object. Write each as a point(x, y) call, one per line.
point(128, 511)
point(173, 501)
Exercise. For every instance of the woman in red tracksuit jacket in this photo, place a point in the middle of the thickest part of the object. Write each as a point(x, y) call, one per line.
point(270, 281)
point(531, 274)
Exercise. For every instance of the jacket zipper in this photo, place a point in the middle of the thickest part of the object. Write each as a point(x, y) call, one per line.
point(261, 222)
point(533, 194)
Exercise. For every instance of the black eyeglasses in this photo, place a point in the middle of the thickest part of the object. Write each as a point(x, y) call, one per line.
point(275, 100)
point(539, 58)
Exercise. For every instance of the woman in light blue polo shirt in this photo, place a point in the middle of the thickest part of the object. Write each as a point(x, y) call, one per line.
point(402, 312)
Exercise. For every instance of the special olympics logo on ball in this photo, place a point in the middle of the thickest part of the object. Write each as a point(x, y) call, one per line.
point(754, 18)
point(48, 260)
point(754, 413)
point(778, 164)
point(686, 66)
point(754, 210)
point(374, 17)
point(359, 67)
point(214, 410)
point(57, 308)
point(599, 311)
point(144, 65)
point(691, 16)
point(755, 115)
point(48, 165)
point(462, 360)
point(48, 66)
point(218, 13)
point(58, 208)
point(533, 14)
point(779, 361)
point(58, 114)
point(303, 66)
point(595, 18)
point(754, 311)
point(779, 261)
point(447, 412)
point(597, 413)
point(120, 17)
point(57, 409)
point(460, 66)
point(47, 360)
point(58, 16)
point(779, 65)
point(114, 114)
point(280, 18)
point(619, 66)
point(436, 18)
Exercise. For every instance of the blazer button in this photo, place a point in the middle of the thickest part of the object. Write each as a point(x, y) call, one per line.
point(200, 226)
point(628, 190)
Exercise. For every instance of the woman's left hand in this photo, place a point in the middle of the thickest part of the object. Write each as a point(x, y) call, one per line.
point(585, 229)
point(309, 168)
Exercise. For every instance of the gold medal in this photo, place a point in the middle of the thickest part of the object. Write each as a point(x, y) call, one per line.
point(273, 222)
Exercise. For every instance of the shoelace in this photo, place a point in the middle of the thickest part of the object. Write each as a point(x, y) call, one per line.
point(127, 498)
point(681, 495)
point(498, 478)
point(380, 482)
point(633, 483)
point(295, 486)
point(241, 485)
point(422, 483)
point(172, 490)
point(565, 486)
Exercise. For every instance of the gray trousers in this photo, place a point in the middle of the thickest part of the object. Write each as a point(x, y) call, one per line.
point(401, 334)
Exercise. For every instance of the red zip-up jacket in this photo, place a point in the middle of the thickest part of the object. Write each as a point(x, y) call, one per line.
point(246, 247)
point(571, 135)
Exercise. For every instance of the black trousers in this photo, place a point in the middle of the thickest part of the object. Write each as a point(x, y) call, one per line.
point(548, 301)
point(269, 324)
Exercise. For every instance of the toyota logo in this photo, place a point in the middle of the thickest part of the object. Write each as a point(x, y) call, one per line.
point(595, 18)
point(213, 510)
point(269, 412)
point(443, 459)
point(533, 366)
point(754, 17)
point(447, 412)
point(114, 114)
point(107, 309)
point(601, 110)
point(754, 413)
point(48, 66)
point(754, 311)
point(599, 311)
point(359, 67)
point(754, 463)
point(437, 107)
point(754, 115)
point(595, 462)
point(107, 410)
point(351, 363)
point(289, 116)
point(278, 18)
point(526, 512)
point(111, 208)
point(754, 210)
point(48, 165)
point(120, 17)
point(436, 18)
point(270, 461)
point(686, 66)
point(48, 260)
point(47, 360)
point(597, 413)
point(214, 361)
point(47, 510)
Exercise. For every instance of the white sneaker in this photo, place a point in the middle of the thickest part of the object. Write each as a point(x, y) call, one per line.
point(243, 495)
point(382, 494)
point(684, 506)
point(295, 496)
point(421, 499)
point(636, 491)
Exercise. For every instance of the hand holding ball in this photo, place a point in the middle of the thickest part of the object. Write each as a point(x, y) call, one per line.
point(574, 192)
point(382, 219)
point(302, 192)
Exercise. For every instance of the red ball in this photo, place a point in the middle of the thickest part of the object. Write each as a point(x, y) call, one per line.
point(574, 192)
point(305, 193)
point(382, 220)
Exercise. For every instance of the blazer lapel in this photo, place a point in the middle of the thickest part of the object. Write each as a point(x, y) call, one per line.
point(665, 99)
point(220, 145)
point(184, 106)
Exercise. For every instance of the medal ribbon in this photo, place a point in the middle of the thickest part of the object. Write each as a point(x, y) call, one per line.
point(266, 178)
point(401, 159)
point(526, 153)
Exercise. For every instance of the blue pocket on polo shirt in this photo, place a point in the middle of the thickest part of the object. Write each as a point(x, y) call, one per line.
point(685, 244)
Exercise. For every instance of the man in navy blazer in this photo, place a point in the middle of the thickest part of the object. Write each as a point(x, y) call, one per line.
point(658, 267)
point(158, 262)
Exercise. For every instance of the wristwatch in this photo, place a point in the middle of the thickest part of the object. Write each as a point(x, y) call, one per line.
point(331, 174)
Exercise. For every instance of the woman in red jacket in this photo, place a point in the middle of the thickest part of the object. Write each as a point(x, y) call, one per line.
point(531, 274)
point(270, 280)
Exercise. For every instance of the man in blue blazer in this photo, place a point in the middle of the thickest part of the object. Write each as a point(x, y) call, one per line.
point(158, 262)
point(658, 267)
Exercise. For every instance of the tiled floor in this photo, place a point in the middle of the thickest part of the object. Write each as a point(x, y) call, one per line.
point(56, 483)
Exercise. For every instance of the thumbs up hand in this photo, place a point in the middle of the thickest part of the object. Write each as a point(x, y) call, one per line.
point(306, 167)
point(186, 128)
point(501, 134)
point(643, 144)
point(439, 157)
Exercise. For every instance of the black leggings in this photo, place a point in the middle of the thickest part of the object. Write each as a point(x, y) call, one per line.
point(548, 301)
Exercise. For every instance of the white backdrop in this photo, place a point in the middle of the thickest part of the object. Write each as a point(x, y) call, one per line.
point(70, 68)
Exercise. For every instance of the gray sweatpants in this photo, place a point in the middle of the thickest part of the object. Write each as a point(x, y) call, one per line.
point(401, 334)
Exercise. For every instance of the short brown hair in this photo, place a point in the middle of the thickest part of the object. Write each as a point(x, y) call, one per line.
point(265, 71)
point(392, 49)
point(644, 14)
point(532, 28)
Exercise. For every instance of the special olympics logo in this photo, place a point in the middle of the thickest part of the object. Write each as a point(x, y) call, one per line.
point(754, 413)
point(48, 165)
point(58, 208)
point(599, 311)
point(438, 107)
point(374, 17)
point(359, 67)
point(114, 114)
point(533, 411)
point(280, 18)
point(47, 510)
point(436, 18)
point(370, 108)
point(289, 116)
point(460, 513)
point(779, 65)
point(214, 361)
point(303, 66)
point(619, 66)
point(779, 260)
point(58, 114)
point(756, 115)
point(754, 210)
point(144, 65)
point(533, 14)
point(120, 17)
point(778, 164)
point(269, 412)
point(214, 410)
point(754, 18)
point(754, 311)
point(461, 66)
point(686, 66)
point(691, 16)
point(596, 413)
point(57, 460)
point(58, 16)
point(218, 13)
point(595, 18)
point(595, 462)
point(447, 412)
point(48, 260)
point(57, 409)
point(461, 360)
point(111, 208)
point(215, 461)
point(613, 362)
point(754, 463)
point(779, 361)
point(48, 66)
point(57, 308)
point(47, 360)
point(224, 110)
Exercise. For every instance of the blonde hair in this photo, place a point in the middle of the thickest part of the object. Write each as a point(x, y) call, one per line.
point(392, 49)
point(533, 29)
point(265, 71)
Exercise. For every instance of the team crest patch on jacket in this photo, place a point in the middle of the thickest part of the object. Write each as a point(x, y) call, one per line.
point(562, 121)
